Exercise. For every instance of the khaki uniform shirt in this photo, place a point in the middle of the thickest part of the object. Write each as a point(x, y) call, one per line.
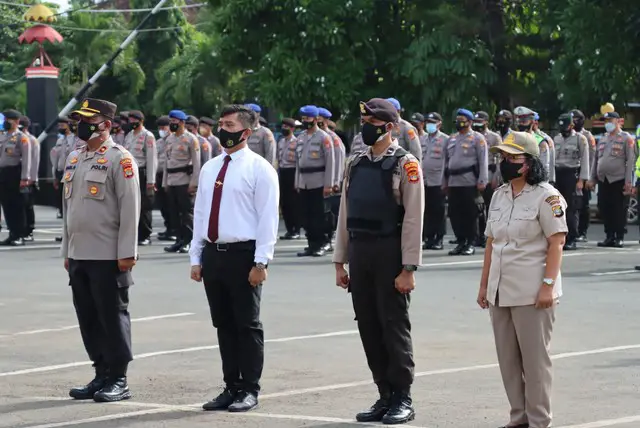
point(433, 148)
point(408, 190)
point(142, 145)
point(615, 158)
point(287, 152)
point(15, 150)
point(263, 143)
point(315, 151)
point(339, 156)
point(520, 227)
point(206, 151)
point(35, 158)
point(357, 145)
point(216, 148)
point(573, 152)
point(101, 204)
point(408, 139)
point(182, 151)
point(462, 151)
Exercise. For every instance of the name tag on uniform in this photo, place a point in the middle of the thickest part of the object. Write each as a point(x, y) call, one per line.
point(99, 167)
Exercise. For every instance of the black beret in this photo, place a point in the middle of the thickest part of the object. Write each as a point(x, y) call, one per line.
point(505, 113)
point(63, 119)
point(434, 117)
point(12, 114)
point(136, 114)
point(289, 122)
point(417, 117)
point(332, 125)
point(124, 115)
point(163, 121)
point(207, 121)
point(25, 121)
point(192, 120)
point(611, 115)
point(92, 107)
point(263, 121)
point(482, 115)
point(380, 109)
point(577, 113)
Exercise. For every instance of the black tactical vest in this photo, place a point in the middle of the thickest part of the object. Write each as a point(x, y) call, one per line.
point(371, 205)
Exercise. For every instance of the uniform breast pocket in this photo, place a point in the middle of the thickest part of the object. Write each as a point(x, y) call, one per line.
point(524, 223)
point(314, 152)
point(11, 151)
point(95, 185)
point(494, 215)
point(451, 149)
point(435, 153)
point(181, 155)
point(617, 150)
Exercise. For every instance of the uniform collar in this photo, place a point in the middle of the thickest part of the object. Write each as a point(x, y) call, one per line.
point(108, 143)
point(390, 151)
point(238, 154)
point(507, 190)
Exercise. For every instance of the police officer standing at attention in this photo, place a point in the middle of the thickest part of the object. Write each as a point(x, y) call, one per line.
point(15, 170)
point(613, 168)
point(572, 171)
point(262, 140)
point(465, 175)
point(287, 176)
point(525, 120)
point(314, 179)
point(405, 133)
point(192, 125)
point(141, 143)
point(552, 151)
point(30, 192)
point(379, 236)
point(169, 233)
point(504, 120)
point(585, 215)
point(181, 178)
point(206, 130)
point(435, 221)
point(100, 236)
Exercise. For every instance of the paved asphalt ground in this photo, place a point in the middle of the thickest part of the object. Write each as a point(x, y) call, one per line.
point(315, 372)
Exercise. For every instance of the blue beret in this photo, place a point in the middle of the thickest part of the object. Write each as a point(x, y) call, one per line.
point(255, 107)
point(464, 112)
point(324, 112)
point(395, 103)
point(178, 114)
point(309, 111)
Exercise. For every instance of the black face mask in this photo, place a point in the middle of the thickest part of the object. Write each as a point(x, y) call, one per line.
point(308, 125)
point(578, 124)
point(509, 170)
point(86, 130)
point(479, 127)
point(371, 133)
point(461, 125)
point(135, 125)
point(62, 131)
point(286, 132)
point(524, 128)
point(503, 127)
point(174, 127)
point(565, 132)
point(230, 139)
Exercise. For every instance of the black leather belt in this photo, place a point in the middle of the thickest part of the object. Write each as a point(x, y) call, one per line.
point(188, 169)
point(233, 246)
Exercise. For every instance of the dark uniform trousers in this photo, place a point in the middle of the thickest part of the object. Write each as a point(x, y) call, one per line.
point(612, 207)
point(29, 197)
point(312, 207)
point(381, 311)
point(435, 222)
point(101, 299)
point(58, 176)
point(484, 212)
point(235, 312)
point(145, 224)
point(463, 213)
point(12, 200)
point(181, 206)
point(585, 215)
point(163, 202)
point(289, 200)
point(566, 180)
point(331, 209)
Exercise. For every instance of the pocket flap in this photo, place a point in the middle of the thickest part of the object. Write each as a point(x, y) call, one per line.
point(526, 214)
point(96, 176)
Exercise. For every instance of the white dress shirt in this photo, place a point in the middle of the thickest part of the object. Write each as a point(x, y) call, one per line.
point(248, 207)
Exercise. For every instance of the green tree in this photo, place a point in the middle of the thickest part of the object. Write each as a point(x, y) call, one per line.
point(13, 58)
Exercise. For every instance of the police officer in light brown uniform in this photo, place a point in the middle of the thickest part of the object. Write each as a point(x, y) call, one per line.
point(613, 169)
point(262, 140)
point(169, 233)
point(192, 126)
point(99, 246)
point(434, 145)
point(206, 130)
point(521, 279)
point(405, 133)
point(141, 143)
point(379, 236)
point(289, 203)
point(585, 214)
point(30, 193)
point(181, 178)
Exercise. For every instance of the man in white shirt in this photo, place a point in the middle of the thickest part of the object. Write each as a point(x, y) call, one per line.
point(235, 229)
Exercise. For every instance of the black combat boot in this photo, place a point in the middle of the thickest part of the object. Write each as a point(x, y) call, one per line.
point(459, 249)
point(174, 248)
point(86, 392)
point(401, 410)
point(376, 412)
point(115, 388)
point(222, 401)
point(608, 242)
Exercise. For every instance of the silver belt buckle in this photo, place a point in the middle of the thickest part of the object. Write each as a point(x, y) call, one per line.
point(222, 247)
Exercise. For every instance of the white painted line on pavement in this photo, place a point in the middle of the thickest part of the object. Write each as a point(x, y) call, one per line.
point(104, 418)
point(53, 231)
point(172, 351)
point(605, 422)
point(615, 272)
point(31, 247)
point(71, 327)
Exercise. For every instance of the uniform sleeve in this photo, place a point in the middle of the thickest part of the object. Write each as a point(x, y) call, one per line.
point(583, 145)
point(64, 246)
point(341, 246)
point(127, 189)
point(53, 157)
point(164, 176)
point(329, 158)
point(337, 156)
point(630, 148)
point(411, 135)
point(35, 158)
point(26, 157)
point(200, 213)
point(593, 171)
point(206, 152)
point(483, 160)
point(552, 160)
point(266, 199)
point(544, 155)
point(152, 158)
point(269, 146)
point(553, 214)
point(412, 194)
point(445, 163)
point(195, 161)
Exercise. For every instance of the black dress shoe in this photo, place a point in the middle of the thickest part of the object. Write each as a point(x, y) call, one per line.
point(86, 392)
point(457, 251)
point(58, 238)
point(307, 252)
point(376, 412)
point(582, 238)
point(618, 243)
point(28, 238)
point(608, 242)
point(222, 401)
point(454, 242)
point(166, 236)
point(320, 252)
point(174, 248)
point(145, 242)
point(244, 402)
point(437, 245)
point(400, 412)
point(570, 246)
point(468, 250)
point(184, 249)
point(115, 389)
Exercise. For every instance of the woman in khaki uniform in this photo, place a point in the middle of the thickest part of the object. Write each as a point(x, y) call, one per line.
point(521, 280)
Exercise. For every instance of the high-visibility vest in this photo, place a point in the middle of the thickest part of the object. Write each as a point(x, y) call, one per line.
point(638, 151)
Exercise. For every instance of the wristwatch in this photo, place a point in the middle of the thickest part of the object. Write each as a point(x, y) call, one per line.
point(549, 281)
point(410, 268)
point(260, 266)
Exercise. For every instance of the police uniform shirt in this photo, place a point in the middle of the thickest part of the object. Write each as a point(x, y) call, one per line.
point(119, 138)
point(263, 143)
point(70, 143)
point(339, 155)
point(433, 158)
point(407, 136)
point(248, 206)
point(35, 158)
point(161, 148)
point(142, 145)
point(492, 139)
point(101, 204)
point(573, 152)
point(615, 158)
point(408, 189)
point(287, 152)
point(592, 144)
point(552, 155)
point(205, 150)
point(357, 144)
point(316, 152)
point(182, 151)
point(464, 151)
point(216, 148)
point(15, 150)
point(520, 228)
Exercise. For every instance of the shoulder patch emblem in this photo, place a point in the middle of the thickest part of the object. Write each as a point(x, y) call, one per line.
point(411, 133)
point(102, 150)
point(553, 200)
point(413, 171)
point(24, 140)
point(327, 142)
point(102, 161)
point(557, 210)
point(126, 161)
point(127, 170)
point(73, 161)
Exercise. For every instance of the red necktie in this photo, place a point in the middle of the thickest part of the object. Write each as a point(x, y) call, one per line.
point(215, 203)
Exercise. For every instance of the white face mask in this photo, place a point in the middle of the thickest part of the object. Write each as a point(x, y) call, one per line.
point(162, 133)
point(610, 126)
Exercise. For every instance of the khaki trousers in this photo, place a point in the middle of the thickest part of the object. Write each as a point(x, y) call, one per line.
point(522, 335)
